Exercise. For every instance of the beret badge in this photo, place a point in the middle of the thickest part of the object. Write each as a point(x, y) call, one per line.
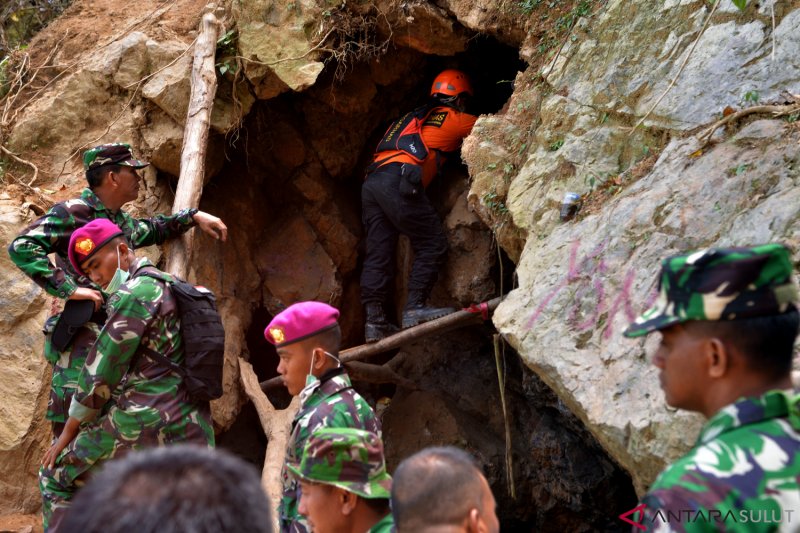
point(84, 246)
point(277, 335)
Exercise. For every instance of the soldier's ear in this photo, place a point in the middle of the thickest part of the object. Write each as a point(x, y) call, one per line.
point(110, 178)
point(125, 255)
point(717, 357)
point(347, 501)
point(319, 357)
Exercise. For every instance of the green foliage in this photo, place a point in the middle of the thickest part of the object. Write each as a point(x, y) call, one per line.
point(591, 180)
point(751, 97)
point(794, 117)
point(555, 145)
point(21, 19)
point(738, 170)
point(527, 6)
point(566, 21)
point(495, 204)
point(4, 81)
point(740, 4)
point(546, 43)
point(226, 52)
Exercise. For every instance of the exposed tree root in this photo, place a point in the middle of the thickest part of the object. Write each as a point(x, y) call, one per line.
point(18, 159)
point(775, 110)
point(277, 427)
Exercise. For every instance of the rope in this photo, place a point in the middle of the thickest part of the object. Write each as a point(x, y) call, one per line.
point(482, 308)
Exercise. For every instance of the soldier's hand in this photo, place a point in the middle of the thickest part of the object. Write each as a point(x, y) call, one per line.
point(85, 293)
point(49, 459)
point(212, 225)
point(69, 432)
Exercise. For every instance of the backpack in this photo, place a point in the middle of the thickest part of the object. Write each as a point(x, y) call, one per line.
point(405, 134)
point(203, 339)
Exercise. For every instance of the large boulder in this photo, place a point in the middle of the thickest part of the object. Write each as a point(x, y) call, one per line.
point(580, 286)
point(277, 40)
point(648, 192)
point(24, 432)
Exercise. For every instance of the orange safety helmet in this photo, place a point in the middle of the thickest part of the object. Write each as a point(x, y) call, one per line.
point(452, 83)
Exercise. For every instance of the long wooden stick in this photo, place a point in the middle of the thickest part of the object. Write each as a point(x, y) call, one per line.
point(277, 427)
point(455, 320)
point(195, 138)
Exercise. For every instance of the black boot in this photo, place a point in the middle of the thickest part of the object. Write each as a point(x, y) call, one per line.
point(416, 312)
point(377, 326)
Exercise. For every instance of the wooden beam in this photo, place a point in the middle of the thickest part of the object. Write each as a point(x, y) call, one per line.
point(459, 319)
point(195, 139)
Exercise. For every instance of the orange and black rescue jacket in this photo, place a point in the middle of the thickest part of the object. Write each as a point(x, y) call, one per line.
point(443, 130)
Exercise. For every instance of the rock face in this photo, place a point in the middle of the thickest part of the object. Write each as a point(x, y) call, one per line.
point(581, 282)
point(23, 432)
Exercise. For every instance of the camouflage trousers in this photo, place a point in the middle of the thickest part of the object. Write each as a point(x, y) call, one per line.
point(111, 436)
point(67, 367)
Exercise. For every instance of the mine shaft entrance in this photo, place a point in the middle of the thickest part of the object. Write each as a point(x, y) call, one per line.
point(290, 194)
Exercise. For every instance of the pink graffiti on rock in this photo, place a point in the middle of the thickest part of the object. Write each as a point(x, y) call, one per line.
point(588, 276)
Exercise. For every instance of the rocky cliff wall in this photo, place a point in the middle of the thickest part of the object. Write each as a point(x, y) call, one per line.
point(649, 190)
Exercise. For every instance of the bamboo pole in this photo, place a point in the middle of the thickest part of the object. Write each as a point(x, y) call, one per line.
point(195, 139)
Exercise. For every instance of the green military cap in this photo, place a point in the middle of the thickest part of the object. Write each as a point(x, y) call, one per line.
point(720, 284)
point(111, 154)
point(351, 459)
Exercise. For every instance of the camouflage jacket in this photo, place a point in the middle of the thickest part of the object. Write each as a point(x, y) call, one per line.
point(50, 234)
point(742, 475)
point(142, 315)
point(333, 404)
point(386, 525)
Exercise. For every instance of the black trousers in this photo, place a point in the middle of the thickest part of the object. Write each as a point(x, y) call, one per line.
point(386, 214)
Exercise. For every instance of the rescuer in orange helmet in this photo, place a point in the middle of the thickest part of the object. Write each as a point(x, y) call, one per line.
point(394, 202)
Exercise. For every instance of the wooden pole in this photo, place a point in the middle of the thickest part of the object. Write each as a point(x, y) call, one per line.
point(277, 427)
point(455, 320)
point(195, 139)
point(459, 319)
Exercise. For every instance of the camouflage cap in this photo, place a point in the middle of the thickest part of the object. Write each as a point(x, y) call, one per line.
point(111, 154)
point(351, 459)
point(720, 284)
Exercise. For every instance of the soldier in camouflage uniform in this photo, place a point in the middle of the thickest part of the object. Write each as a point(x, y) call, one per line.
point(728, 324)
point(307, 338)
point(113, 181)
point(152, 407)
point(344, 483)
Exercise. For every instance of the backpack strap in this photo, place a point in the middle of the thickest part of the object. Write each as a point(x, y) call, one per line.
point(161, 358)
point(152, 354)
point(421, 114)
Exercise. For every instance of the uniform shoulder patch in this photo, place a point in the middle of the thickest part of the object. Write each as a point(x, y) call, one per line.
point(436, 119)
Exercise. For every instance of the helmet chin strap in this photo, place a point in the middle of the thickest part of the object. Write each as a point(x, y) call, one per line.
point(450, 101)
